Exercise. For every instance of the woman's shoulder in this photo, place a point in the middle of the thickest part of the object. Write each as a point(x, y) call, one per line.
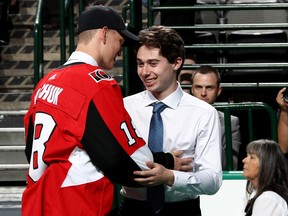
point(272, 195)
point(270, 202)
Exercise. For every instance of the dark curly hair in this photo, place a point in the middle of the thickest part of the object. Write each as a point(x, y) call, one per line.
point(166, 39)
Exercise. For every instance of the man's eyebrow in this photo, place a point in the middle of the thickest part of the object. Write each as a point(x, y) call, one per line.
point(152, 60)
point(149, 60)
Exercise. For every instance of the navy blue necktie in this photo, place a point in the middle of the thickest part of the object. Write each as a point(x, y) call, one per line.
point(156, 194)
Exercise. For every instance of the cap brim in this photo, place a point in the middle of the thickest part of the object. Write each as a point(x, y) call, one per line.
point(129, 37)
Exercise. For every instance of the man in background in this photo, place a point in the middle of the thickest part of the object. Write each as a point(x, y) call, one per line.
point(206, 86)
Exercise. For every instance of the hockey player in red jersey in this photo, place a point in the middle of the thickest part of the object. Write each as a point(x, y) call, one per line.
point(79, 138)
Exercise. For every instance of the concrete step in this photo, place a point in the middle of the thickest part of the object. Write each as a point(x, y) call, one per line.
point(26, 53)
point(12, 120)
point(10, 200)
point(13, 162)
point(11, 193)
point(12, 155)
point(11, 137)
point(12, 129)
point(13, 172)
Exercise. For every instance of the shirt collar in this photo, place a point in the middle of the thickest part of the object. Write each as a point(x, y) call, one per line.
point(171, 100)
point(79, 56)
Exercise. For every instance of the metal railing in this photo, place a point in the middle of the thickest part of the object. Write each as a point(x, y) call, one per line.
point(232, 175)
point(248, 107)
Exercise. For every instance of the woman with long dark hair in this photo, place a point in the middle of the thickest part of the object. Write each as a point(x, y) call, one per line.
point(267, 185)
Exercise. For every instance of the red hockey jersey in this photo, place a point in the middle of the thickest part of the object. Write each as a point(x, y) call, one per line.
point(79, 141)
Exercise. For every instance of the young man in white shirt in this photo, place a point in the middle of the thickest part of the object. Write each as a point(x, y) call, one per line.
point(189, 124)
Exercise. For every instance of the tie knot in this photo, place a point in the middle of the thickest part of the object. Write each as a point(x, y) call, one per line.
point(158, 107)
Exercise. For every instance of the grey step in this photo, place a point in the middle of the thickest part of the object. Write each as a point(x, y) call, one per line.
point(11, 193)
point(26, 36)
point(12, 136)
point(12, 117)
point(14, 167)
point(13, 172)
point(12, 155)
point(14, 105)
point(12, 127)
point(16, 72)
point(26, 53)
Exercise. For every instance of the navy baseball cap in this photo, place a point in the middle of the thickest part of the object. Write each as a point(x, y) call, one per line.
point(100, 16)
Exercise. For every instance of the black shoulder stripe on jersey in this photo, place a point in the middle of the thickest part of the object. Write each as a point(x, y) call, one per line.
point(105, 151)
point(29, 139)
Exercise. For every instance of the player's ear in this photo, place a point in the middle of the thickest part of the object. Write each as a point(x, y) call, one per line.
point(104, 32)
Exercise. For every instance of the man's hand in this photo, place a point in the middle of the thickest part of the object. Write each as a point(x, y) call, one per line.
point(157, 175)
point(279, 99)
point(283, 122)
point(182, 164)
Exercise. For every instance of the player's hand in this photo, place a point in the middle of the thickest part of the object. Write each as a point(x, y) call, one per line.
point(182, 164)
point(157, 175)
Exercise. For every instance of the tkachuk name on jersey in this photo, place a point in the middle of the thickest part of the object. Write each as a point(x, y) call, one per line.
point(99, 75)
point(48, 92)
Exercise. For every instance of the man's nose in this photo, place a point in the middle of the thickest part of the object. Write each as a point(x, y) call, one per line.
point(146, 69)
point(203, 91)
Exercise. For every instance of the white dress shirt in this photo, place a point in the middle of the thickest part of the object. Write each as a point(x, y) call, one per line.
point(190, 125)
point(270, 203)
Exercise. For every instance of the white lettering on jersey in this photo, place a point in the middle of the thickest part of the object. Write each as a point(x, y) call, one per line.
point(48, 92)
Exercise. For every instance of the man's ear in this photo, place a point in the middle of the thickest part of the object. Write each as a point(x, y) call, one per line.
point(178, 63)
point(219, 90)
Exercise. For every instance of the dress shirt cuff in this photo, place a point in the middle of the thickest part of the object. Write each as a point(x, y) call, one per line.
point(182, 179)
point(165, 159)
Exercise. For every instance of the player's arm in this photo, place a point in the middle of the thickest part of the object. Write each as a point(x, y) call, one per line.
point(114, 157)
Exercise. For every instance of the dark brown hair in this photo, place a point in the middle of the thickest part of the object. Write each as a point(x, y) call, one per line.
point(166, 39)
